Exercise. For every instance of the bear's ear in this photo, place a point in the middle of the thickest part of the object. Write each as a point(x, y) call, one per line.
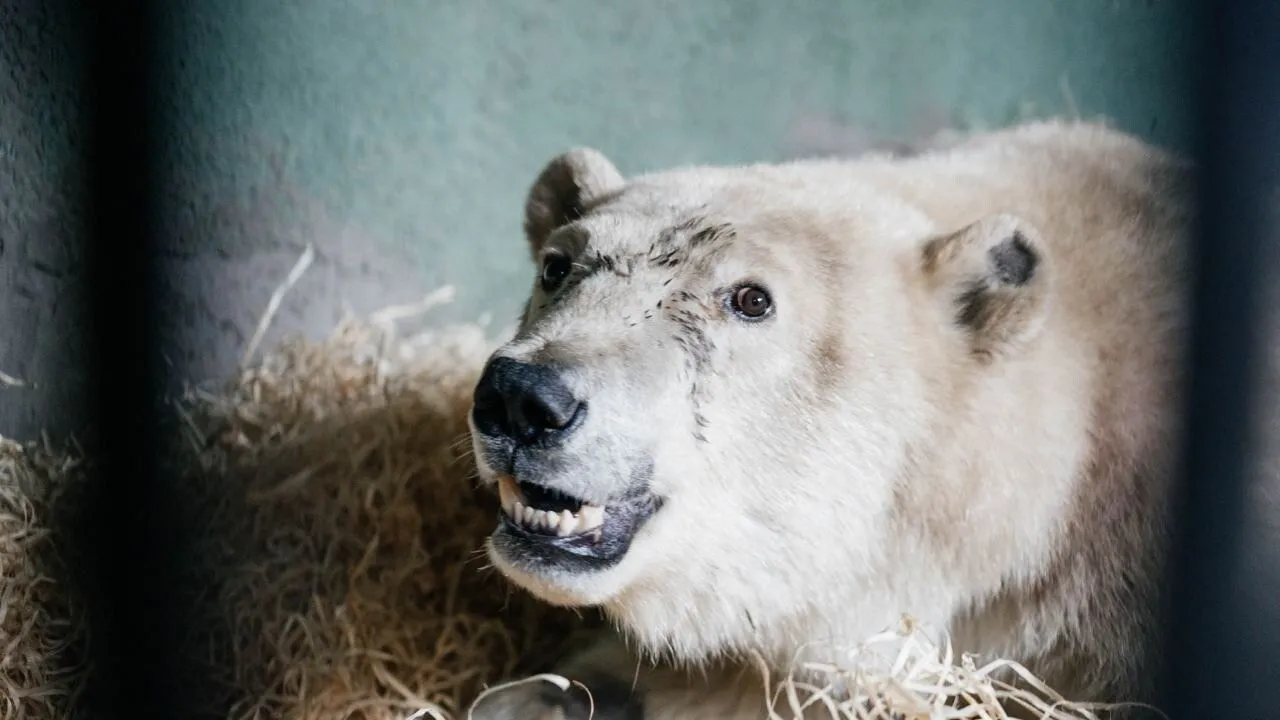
point(565, 189)
point(992, 281)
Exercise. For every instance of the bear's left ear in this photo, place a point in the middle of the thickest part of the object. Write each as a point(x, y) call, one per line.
point(992, 281)
point(563, 191)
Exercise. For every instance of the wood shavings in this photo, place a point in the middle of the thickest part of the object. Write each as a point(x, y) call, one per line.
point(41, 629)
point(273, 303)
point(337, 570)
point(904, 673)
point(345, 572)
point(11, 381)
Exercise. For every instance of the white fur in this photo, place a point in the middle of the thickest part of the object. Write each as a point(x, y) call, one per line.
point(866, 453)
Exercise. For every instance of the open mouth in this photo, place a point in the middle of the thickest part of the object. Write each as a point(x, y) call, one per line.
point(544, 511)
point(543, 528)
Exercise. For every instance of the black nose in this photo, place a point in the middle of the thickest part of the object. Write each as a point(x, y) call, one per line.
point(523, 401)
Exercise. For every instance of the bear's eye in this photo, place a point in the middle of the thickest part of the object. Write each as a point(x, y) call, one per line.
point(555, 268)
point(751, 302)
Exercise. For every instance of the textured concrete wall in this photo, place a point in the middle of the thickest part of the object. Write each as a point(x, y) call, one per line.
point(41, 214)
point(400, 137)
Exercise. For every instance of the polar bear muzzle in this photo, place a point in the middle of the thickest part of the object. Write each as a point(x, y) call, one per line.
point(525, 412)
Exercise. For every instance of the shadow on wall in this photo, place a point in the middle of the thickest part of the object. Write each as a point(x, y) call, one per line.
point(228, 258)
point(42, 268)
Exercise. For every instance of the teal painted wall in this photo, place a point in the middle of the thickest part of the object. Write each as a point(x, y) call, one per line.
point(419, 124)
point(399, 137)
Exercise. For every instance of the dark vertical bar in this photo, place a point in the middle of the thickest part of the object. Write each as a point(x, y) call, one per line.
point(1217, 668)
point(132, 631)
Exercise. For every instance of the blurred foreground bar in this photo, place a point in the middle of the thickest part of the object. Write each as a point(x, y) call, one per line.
point(127, 532)
point(1222, 656)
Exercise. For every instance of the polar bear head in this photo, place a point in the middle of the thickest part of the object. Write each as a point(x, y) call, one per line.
point(721, 385)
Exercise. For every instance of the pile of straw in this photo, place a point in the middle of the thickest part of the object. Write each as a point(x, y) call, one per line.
point(339, 573)
point(42, 629)
point(343, 562)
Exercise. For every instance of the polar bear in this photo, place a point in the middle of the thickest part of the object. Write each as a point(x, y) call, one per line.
point(772, 408)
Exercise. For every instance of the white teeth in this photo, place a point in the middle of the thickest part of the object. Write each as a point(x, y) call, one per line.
point(568, 523)
point(590, 517)
point(563, 524)
point(549, 520)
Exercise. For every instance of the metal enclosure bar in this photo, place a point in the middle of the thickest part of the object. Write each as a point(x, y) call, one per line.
point(1219, 662)
point(127, 534)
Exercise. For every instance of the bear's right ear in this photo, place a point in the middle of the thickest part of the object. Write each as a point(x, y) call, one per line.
point(565, 189)
point(992, 280)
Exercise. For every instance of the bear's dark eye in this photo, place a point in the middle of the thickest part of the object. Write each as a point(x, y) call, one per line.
point(751, 302)
point(555, 268)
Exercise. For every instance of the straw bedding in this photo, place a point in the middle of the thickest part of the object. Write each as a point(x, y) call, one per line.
point(339, 573)
point(344, 564)
point(41, 630)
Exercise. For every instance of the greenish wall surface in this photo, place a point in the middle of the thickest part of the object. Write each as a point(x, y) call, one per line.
point(399, 137)
point(422, 122)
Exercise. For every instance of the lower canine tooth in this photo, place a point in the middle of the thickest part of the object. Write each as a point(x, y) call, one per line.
point(568, 523)
point(516, 511)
